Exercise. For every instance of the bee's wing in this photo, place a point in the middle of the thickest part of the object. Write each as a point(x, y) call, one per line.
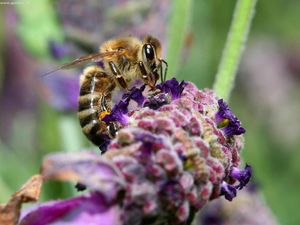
point(84, 59)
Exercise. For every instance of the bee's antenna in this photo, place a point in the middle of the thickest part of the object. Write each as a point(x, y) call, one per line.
point(50, 72)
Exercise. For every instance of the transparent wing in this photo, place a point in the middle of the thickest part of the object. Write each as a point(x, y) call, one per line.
point(84, 59)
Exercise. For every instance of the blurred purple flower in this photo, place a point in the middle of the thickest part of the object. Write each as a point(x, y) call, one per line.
point(84, 210)
point(58, 50)
point(63, 91)
point(271, 88)
point(96, 21)
point(163, 166)
point(249, 208)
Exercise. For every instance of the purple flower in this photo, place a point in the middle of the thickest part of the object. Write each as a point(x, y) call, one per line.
point(243, 176)
point(155, 102)
point(228, 191)
point(164, 164)
point(135, 94)
point(118, 113)
point(172, 87)
point(105, 142)
point(227, 121)
point(249, 208)
point(86, 209)
point(58, 50)
point(63, 92)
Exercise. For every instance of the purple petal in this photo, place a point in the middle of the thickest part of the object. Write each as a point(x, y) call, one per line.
point(117, 114)
point(243, 176)
point(135, 94)
point(155, 102)
point(228, 191)
point(105, 142)
point(90, 209)
point(86, 168)
point(172, 87)
point(227, 121)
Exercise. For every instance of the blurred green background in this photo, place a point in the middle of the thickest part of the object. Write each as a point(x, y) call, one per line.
point(266, 95)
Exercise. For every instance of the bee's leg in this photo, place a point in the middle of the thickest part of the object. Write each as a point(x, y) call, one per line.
point(104, 109)
point(163, 74)
point(143, 71)
point(112, 127)
point(149, 78)
point(116, 72)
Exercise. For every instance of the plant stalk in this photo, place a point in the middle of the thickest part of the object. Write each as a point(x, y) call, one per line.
point(235, 44)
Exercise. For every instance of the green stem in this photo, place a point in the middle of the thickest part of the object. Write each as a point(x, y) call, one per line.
point(70, 133)
point(71, 141)
point(178, 25)
point(234, 47)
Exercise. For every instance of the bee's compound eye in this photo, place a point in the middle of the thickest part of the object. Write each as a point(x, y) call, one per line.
point(148, 52)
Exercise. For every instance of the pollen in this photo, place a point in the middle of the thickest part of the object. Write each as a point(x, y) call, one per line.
point(103, 114)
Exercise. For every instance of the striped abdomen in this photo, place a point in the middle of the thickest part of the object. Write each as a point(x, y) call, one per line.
point(94, 103)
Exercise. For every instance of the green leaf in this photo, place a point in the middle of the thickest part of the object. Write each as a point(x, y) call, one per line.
point(37, 25)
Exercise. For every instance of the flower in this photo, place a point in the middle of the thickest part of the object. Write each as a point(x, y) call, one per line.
point(227, 121)
point(154, 102)
point(84, 209)
point(118, 113)
point(172, 87)
point(243, 176)
point(167, 161)
point(228, 191)
point(63, 91)
point(58, 50)
point(135, 94)
point(249, 208)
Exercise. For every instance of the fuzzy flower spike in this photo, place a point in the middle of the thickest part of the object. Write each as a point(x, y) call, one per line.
point(171, 157)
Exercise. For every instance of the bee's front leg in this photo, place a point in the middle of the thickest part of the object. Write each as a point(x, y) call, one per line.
point(149, 78)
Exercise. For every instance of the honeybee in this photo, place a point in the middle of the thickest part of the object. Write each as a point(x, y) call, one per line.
point(125, 60)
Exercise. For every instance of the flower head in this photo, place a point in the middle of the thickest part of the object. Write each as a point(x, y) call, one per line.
point(166, 162)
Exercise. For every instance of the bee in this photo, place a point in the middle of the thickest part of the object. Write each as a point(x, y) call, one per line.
point(125, 60)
